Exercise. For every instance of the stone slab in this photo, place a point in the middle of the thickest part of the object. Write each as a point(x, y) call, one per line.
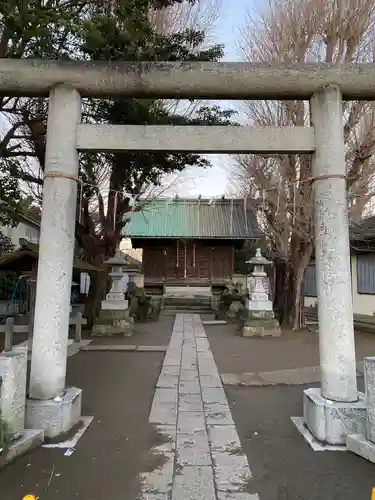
point(193, 449)
point(167, 381)
point(214, 395)
point(294, 376)
point(200, 334)
point(331, 422)
point(163, 414)
point(190, 402)
point(154, 496)
point(165, 395)
point(210, 381)
point(358, 444)
point(189, 388)
point(172, 358)
point(225, 495)
point(189, 375)
point(215, 322)
point(208, 368)
point(159, 481)
point(216, 414)
point(56, 416)
point(152, 348)
point(203, 345)
point(166, 441)
point(28, 441)
point(231, 472)
point(170, 370)
point(224, 438)
point(103, 347)
point(194, 483)
point(205, 358)
point(190, 422)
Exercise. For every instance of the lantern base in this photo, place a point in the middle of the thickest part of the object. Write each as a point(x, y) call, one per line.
point(261, 327)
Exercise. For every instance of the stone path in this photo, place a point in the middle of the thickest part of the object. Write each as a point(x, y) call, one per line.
point(201, 454)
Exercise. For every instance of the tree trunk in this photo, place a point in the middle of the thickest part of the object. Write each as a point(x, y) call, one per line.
point(97, 291)
point(289, 301)
point(279, 289)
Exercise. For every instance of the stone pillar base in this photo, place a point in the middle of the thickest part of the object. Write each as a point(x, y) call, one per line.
point(358, 444)
point(28, 441)
point(261, 328)
point(331, 422)
point(55, 416)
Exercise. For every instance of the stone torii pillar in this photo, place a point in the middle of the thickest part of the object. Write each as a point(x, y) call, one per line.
point(337, 409)
point(51, 406)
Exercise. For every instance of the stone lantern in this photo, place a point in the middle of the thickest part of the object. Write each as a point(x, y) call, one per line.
point(114, 318)
point(260, 319)
point(115, 298)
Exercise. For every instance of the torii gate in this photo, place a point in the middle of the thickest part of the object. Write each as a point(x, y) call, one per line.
point(323, 85)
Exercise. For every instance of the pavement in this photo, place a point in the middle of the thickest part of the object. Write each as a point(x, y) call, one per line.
point(165, 428)
point(202, 454)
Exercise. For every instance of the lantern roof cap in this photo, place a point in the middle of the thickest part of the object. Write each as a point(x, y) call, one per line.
point(116, 260)
point(258, 259)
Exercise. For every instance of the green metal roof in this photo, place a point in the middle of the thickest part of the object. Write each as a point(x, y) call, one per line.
point(194, 218)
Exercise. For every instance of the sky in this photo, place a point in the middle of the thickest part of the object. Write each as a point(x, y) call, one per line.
point(216, 181)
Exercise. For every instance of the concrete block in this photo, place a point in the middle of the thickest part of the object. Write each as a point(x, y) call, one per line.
point(358, 444)
point(193, 450)
point(13, 390)
point(56, 416)
point(194, 482)
point(369, 372)
point(331, 422)
point(28, 441)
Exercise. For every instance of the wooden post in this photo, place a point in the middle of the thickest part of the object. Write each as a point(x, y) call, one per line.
point(78, 335)
point(8, 343)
